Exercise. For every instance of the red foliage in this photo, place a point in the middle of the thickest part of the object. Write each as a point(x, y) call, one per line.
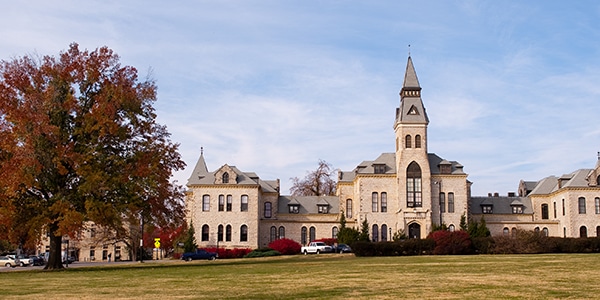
point(285, 246)
point(230, 253)
point(451, 242)
point(328, 241)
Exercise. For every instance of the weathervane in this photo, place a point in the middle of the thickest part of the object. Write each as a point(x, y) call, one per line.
point(409, 50)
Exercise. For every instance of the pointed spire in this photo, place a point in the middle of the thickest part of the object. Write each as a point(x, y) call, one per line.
point(410, 77)
point(200, 170)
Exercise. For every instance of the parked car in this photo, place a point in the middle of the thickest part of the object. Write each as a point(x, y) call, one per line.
point(316, 247)
point(199, 254)
point(7, 261)
point(38, 260)
point(343, 248)
point(24, 261)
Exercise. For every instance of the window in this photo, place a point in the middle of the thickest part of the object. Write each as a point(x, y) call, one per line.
point(583, 231)
point(536, 230)
point(268, 212)
point(554, 208)
point(206, 203)
point(517, 209)
point(294, 209)
point(505, 231)
point(281, 232)
point(220, 233)
point(384, 232)
point(597, 205)
point(303, 235)
point(544, 211)
point(334, 232)
point(407, 142)
point(228, 233)
point(413, 185)
point(205, 231)
point(450, 202)
point(581, 205)
point(563, 206)
point(229, 202)
point(597, 231)
point(348, 208)
point(513, 232)
point(545, 231)
point(451, 228)
point(442, 202)
point(225, 177)
point(244, 233)
point(374, 201)
point(221, 202)
point(417, 141)
point(564, 231)
point(313, 233)
point(92, 253)
point(379, 169)
point(244, 203)
point(383, 202)
point(487, 209)
point(323, 209)
point(375, 233)
point(273, 233)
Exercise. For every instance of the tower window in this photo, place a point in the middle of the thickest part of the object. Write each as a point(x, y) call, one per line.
point(407, 142)
point(413, 185)
point(417, 141)
point(545, 211)
point(225, 177)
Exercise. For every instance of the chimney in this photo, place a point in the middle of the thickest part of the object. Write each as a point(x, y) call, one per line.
point(511, 194)
point(490, 195)
point(496, 194)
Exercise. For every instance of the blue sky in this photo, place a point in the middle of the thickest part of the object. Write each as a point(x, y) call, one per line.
point(512, 88)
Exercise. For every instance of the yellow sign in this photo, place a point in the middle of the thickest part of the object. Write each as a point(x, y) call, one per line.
point(156, 242)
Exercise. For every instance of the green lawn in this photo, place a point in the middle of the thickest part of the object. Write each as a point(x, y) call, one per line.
point(333, 276)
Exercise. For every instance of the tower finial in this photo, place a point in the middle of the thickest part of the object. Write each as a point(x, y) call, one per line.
point(408, 50)
point(598, 155)
point(201, 150)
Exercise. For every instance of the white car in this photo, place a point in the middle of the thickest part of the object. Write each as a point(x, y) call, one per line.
point(24, 261)
point(7, 261)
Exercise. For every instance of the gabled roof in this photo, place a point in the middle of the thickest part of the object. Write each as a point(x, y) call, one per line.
point(308, 204)
point(551, 184)
point(501, 205)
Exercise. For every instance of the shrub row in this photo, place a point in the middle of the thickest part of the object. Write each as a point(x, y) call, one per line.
point(403, 247)
point(230, 253)
point(263, 252)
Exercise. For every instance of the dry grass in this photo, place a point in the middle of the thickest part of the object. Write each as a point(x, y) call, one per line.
point(324, 276)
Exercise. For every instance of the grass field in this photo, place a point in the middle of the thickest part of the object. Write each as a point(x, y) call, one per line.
point(548, 276)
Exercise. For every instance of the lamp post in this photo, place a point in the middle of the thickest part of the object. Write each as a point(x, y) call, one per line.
point(141, 237)
point(66, 252)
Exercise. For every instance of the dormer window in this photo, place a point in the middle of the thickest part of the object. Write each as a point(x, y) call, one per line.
point(294, 208)
point(517, 207)
point(323, 209)
point(225, 177)
point(487, 208)
point(379, 168)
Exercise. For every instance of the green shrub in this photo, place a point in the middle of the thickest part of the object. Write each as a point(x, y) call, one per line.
point(262, 253)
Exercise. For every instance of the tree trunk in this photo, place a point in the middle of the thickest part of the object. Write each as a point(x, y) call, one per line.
point(55, 258)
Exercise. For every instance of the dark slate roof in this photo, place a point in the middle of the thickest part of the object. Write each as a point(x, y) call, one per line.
point(501, 204)
point(308, 204)
point(435, 161)
point(551, 183)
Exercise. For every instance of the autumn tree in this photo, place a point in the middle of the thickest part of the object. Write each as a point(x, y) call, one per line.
point(79, 143)
point(320, 182)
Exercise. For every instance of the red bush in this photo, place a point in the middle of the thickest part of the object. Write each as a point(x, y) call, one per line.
point(285, 246)
point(230, 253)
point(328, 241)
point(451, 242)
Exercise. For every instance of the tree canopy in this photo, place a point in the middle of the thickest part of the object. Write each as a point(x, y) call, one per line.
point(79, 142)
point(320, 182)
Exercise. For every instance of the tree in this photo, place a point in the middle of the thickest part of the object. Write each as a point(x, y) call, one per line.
point(463, 222)
point(364, 231)
point(478, 229)
point(189, 244)
point(319, 182)
point(78, 143)
point(346, 235)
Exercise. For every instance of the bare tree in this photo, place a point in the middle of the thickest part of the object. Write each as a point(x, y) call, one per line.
point(316, 183)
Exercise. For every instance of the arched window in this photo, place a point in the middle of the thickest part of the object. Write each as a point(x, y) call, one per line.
point(268, 212)
point(221, 202)
point(545, 211)
point(220, 233)
point(513, 232)
point(407, 142)
point(581, 205)
point(451, 228)
point(554, 208)
point(413, 185)
point(565, 232)
point(545, 231)
point(450, 202)
point(273, 233)
point(536, 230)
point(225, 177)
point(597, 231)
point(281, 232)
point(244, 203)
point(417, 141)
point(205, 232)
point(349, 208)
point(206, 203)
point(312, 233)
point(505, 231)
point(334, 232)
point(244, 233)
point(583, 231)
point(442, 202)
point(374, 201)
point(597, 205)
point(228, 233)
point(303, 235)
point(375, 233)
point(384, 232)
point(229, 202)
point(598, 180)
point(383, 202)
